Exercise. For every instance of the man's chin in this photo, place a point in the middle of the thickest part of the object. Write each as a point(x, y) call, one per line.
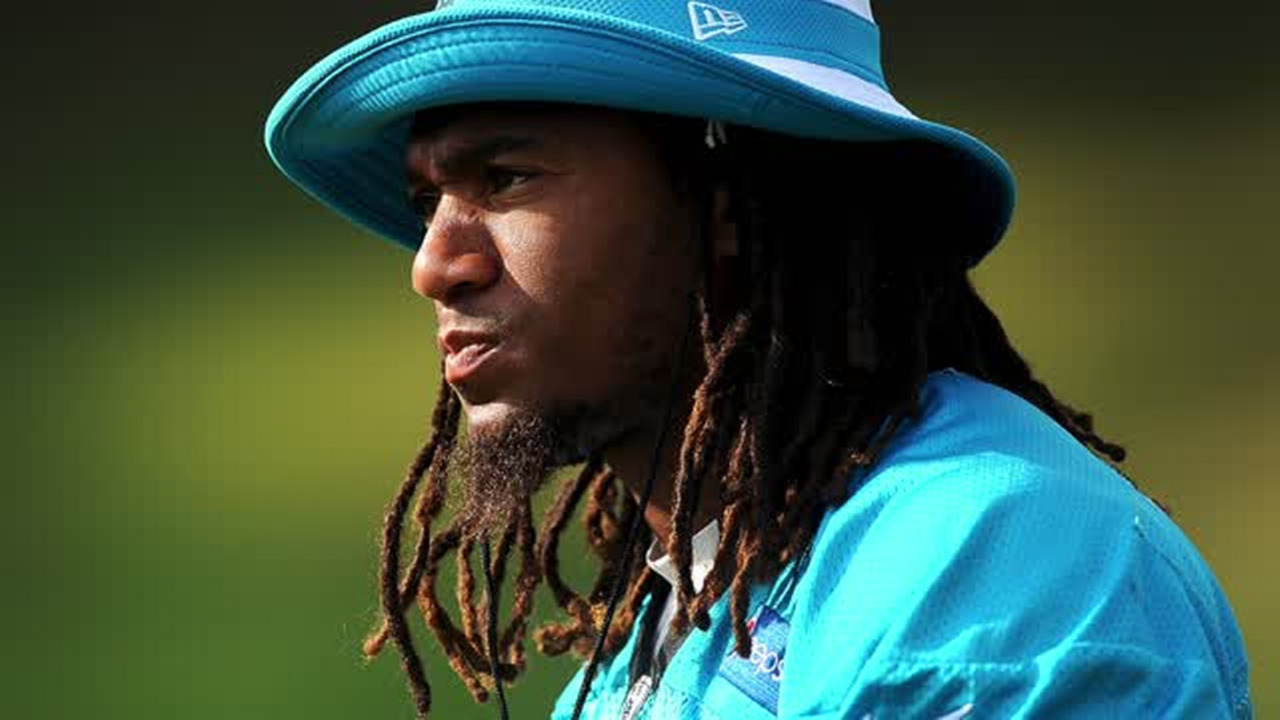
point(573, 433)
point(492, 417)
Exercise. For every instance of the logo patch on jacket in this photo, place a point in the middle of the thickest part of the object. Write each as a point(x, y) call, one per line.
point(760, 675)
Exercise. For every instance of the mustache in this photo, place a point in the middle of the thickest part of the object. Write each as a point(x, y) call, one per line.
point(483, 323)
point(452, 336)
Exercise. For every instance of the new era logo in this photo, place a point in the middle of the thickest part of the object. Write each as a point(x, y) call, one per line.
point(709, 21)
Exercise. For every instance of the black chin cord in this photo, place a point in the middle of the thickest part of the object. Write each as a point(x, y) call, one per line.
point(615, 596)
point(491, 586)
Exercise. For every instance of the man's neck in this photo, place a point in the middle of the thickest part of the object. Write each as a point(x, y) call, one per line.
point(631, 460)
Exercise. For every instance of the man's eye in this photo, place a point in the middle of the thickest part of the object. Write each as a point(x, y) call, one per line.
point(500, 179)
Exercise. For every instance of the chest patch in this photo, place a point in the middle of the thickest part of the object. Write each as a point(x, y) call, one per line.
point(760, 675)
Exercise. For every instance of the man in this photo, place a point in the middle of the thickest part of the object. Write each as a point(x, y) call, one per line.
point(702, 249)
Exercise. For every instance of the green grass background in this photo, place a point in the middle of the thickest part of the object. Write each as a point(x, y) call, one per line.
point(213, 385)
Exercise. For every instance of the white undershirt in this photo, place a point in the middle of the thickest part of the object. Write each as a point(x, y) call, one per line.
point(704, 546)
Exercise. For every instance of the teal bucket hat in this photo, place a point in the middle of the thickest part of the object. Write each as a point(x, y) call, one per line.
point(809, 68)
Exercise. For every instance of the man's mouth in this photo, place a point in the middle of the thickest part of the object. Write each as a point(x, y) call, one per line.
point(465, 354)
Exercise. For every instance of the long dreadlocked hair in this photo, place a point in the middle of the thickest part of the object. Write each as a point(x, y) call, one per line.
point(843, 299)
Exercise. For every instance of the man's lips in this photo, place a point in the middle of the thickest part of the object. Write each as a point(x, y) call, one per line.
point(465, 353)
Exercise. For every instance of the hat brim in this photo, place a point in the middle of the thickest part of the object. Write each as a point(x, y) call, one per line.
point(341, 130)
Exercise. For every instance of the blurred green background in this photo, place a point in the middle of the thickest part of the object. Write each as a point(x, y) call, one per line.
point(214, 385)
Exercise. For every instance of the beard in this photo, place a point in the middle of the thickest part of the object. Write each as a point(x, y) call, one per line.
point(503, 465)
point(501, 470)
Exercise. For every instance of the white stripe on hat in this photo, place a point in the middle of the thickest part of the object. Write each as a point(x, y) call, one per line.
point(831, 81)
point(861, 7)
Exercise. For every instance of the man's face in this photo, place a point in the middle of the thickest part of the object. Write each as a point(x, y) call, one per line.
point(560, 260)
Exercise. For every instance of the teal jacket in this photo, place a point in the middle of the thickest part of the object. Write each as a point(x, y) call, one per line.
point(990, 567)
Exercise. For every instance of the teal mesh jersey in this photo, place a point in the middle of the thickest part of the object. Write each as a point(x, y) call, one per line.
point(990, 567)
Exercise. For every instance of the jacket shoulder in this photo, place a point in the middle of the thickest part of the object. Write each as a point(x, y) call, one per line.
point(990, 554)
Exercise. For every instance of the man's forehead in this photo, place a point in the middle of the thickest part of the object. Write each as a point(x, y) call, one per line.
point(439, 135)
point(459, 123)
point(440, 143)
point(442, 139)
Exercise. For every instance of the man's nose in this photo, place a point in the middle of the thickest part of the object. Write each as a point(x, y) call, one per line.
point(457, 254)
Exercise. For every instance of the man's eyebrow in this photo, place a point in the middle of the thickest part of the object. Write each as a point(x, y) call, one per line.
point(456, 157)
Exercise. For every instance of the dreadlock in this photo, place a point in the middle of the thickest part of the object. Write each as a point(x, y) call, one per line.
point(815, 353)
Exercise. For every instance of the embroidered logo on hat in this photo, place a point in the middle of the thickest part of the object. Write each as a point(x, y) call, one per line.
point(709, 21)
